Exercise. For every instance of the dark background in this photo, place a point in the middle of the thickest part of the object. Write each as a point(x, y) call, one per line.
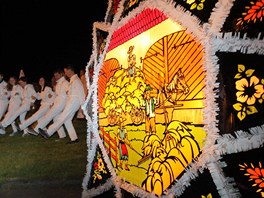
point(41, 35)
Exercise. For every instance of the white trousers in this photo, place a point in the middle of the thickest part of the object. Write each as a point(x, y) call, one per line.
point(66, 116)
point(12, 107)
point(37, 115)
point(3, 107)
point(21, 111)
point(52, 114)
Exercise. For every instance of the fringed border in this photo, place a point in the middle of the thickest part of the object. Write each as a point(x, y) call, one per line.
point(241, 141)
point(219, 14)
point(98, 190)
point(236, 42)
point(224, 185)
point(209, 37)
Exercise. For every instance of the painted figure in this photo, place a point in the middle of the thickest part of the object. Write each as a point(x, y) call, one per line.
point(122, 141)
point(149, 103)
point(131, 61)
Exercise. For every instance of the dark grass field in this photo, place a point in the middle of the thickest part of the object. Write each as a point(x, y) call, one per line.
point(34, 167)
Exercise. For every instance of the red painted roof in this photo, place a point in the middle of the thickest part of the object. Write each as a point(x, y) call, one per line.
point(147, 19)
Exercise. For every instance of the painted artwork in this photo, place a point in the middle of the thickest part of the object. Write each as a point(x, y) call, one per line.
point(241, 91)
point(246, 17)
point(129, 5)
point(99, 172)
point(200, 8)
point(247, 170)
point(196, 190)
point(150, 107)
point(113, 10)
point(176, 108)
point(101, 41)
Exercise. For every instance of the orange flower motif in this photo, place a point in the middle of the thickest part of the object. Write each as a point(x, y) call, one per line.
point(254, 12)
point(254, 173)
point(249, 91)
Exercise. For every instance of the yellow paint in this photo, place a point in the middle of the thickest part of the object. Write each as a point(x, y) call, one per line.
point(143, 42)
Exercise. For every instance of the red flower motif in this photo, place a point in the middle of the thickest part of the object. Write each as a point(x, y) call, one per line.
point(256, 174)
point(254, 12)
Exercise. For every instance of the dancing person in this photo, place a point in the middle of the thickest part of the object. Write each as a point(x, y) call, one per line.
point(14, 101)
point(58, 105)
point(4, 96)
point(46, 97)
point(28, 98)
point(80, 114)
point(76, 99)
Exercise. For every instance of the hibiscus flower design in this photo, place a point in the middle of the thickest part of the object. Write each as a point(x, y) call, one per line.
point(254, 12)
point(249, 91)
point(255, 174)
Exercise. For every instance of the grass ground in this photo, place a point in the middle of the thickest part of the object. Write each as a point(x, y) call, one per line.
point(32, 166)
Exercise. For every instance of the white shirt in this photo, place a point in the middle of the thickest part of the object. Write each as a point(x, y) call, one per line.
point(16, 94)
point(4, 94)
point(61, 88)
point(76, 89)
point(150, 107)
point(28, 92)
point(44, 96)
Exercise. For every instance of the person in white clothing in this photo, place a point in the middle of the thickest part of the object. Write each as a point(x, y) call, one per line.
point(57, 107)
point(15, 99)
point(76, 99)
point(28, 98)
point(46, 96)
point(4, 96)
point(80, 114)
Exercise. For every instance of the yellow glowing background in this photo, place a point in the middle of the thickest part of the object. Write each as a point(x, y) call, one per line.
point(160, 54)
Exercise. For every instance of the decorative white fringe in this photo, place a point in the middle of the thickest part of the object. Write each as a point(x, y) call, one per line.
point(210, 38)
point(224, 185)
point(219, 15)
point(232, 42)
point(243, 141)
point(98, 190)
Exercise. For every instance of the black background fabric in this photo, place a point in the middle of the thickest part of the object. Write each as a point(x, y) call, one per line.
point(227, 97)
point(233, 170)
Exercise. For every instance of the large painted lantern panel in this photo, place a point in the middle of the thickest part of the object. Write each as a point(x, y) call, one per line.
point(150, 92)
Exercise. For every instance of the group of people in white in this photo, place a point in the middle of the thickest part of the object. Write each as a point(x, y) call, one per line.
point(58, 104)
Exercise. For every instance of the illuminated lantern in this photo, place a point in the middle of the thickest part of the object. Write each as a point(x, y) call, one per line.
point(168, 92)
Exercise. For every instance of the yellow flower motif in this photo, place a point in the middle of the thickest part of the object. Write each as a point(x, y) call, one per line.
point(249, 91)
point(190, 1)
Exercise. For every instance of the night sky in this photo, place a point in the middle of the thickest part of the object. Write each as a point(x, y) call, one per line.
point(40, 35)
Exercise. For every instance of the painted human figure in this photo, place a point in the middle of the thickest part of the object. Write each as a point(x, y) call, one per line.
point(131, 59)
point(28, 98)
point(150, 103)
point(122, 138)
point(46, 96)
point(4, 96)
point(14, 101)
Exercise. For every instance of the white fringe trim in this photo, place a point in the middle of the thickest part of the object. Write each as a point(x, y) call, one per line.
point(232, 42)
point(224, 185)
point(242, 141)
point(208, 35)
point(219, 15)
